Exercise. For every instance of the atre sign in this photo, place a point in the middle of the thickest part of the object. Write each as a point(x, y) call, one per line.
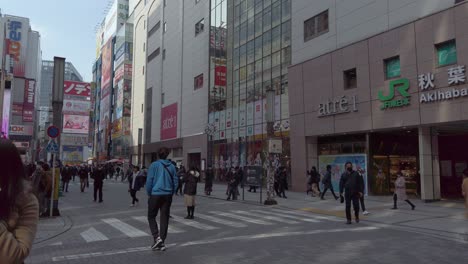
point(339, 105)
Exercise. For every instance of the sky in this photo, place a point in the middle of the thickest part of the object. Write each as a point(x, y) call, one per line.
point(67, 28)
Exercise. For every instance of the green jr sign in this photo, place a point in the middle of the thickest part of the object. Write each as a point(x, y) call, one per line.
point(389, 101)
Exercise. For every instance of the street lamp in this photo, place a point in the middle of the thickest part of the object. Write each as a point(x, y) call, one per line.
point(270, 118)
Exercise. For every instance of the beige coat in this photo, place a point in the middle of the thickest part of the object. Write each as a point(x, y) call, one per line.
point(17, 234)
point(465, 191)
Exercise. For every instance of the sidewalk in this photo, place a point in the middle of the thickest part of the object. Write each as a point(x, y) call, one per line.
point(49, 228)
point(442, 218)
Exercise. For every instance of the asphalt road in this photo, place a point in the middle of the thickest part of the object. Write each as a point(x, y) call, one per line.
point(229, 232)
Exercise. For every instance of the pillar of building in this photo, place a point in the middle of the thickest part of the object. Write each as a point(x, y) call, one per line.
point(429, 165)
point(298, 153)
point(312, 152)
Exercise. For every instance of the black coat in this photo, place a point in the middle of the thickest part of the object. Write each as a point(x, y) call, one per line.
point(351, 183)
point(98, 175)
point(139, 182)
point(327, 180)
point(191, 180)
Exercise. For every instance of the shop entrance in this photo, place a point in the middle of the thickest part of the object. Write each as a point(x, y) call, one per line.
point(194, 159)
point(453, 159)
point(391, 152)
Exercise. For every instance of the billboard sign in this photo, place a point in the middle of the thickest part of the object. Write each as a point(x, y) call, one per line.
point(21, 130)
point(220, 75)
point(76, 107)
point(169, 122)
point(17, 109)
point(106, 68)
point(74, 139)
point(28, 102)
point(77, 88)
point(72, 153)
point(75, 124)
point(16, 40)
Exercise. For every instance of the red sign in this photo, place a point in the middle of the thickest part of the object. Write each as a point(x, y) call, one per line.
point(220, 75)
point(169, 122)
point(17, 109)
point(77, 88)
point(28, 102)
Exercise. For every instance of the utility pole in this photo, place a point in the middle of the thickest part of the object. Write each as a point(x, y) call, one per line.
point(57, 105)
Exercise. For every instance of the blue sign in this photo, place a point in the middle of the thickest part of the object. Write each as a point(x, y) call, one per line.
point(53, 131)
point(52, 147)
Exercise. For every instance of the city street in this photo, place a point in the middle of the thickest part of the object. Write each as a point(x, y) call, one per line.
point(226, 232)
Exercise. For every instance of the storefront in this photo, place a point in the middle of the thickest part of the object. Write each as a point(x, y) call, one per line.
point(397, 101)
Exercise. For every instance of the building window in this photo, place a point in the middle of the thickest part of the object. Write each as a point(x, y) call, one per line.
point(163, 99)
point(199, 27)
point(142, 108)
point(165, 3)
point(164, 54)
point(350, 79)
point(144, 47)
point(198, 82)
point(197, 1)
point(316, 26)
point(154, 29)
point(392, 67)
point(165, 27)
point(153, 54)
point(143, 70)
point(446, 53)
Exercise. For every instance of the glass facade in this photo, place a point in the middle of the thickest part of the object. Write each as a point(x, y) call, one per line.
point(250, 54)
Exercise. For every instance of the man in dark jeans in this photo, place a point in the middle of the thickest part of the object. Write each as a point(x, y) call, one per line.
point(98, 176)
point(353, 186)
point(161, 185)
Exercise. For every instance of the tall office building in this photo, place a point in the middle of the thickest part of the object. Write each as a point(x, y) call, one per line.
point(252, 59)
point(170, 80)
point(44, 102)
point(20, 79)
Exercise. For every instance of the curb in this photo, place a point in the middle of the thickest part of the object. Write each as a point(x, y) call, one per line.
point(67, 226)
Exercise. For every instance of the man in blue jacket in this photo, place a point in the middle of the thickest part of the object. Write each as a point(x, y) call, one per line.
point(161, 184)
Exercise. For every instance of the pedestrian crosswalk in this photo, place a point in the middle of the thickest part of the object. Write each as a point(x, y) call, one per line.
point(137, 226)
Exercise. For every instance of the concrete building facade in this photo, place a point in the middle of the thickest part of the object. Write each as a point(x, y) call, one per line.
point(381, 85)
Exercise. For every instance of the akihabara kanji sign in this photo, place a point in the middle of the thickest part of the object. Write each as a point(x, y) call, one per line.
point(77, 88)
point(456, 76)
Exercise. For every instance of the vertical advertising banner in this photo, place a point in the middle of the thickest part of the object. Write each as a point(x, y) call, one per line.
point(6, 112)
point(28, 102)
point(169, 122)
point(16, 39)
point(106, 68)
point(127, 98)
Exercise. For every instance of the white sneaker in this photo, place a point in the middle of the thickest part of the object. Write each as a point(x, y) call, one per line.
point(132, 205)
point(365, 213)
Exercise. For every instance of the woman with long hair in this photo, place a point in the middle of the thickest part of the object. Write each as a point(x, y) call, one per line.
point(19, 209)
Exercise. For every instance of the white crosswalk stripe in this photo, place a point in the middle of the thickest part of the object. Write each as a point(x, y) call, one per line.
point(268, 217)
point(171, 229)
point(303, 219)
point(125, 228)
point(221, 221)
point(92, 235)
point(242, 218)
point(302, 213)
point(192, 223)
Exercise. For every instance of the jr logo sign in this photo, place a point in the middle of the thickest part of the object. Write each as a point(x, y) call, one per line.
point(389, 101)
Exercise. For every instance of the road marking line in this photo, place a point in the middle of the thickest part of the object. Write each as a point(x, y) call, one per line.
point(221, 221)
point(213, 241)
point(279, 234)
point(268, 217)
point(192, 223)
point(92, 235)
point(288, 216)
point(56, 244)
point(307, 215)
point(242, 218)
point(171, 229)
point(125, 228)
